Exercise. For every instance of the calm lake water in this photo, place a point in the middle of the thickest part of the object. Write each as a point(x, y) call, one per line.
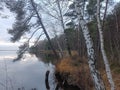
point(28, 73)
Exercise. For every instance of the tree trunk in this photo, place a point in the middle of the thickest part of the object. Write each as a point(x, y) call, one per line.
point(62, 24)
point(44, 29)
point(107, 67)
point(60, 49)
point(117, 27)
point(90, 50)
point(78, 41)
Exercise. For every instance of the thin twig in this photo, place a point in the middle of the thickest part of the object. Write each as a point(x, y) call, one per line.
point(106, 6)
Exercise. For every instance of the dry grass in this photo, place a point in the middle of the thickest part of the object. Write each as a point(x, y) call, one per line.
point(116, 78)
point(115, 69)
point(76, 72)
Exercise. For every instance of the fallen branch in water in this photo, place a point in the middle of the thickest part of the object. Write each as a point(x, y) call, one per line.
point(47, 80)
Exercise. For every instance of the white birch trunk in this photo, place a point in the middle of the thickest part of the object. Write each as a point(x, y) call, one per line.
point(90, 50)
point(63, 27)
point(59, 46)
point(107, 67)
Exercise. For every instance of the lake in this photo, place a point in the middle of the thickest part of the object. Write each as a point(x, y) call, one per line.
point(28, 73)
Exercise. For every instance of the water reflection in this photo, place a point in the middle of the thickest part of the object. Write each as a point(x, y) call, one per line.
point(28, 73)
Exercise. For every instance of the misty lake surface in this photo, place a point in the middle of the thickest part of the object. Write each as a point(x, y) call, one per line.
point(28, 73)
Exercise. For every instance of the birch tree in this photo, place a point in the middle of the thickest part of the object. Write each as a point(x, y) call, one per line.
point(57, 41)
point(90, 50)
point(106, 62)
point(63, 26)
point(56, 9)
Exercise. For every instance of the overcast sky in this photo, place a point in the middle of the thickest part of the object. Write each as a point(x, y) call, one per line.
point(28, 72)
point(6, 23)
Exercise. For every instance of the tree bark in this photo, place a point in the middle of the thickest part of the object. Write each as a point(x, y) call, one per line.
point(60, 49)
point(107, 67)
point(62, 24)
point(44, 29)
point(90, 50)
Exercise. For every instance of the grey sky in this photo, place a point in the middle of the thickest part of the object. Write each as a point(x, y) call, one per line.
point(28, 73)
point(6, 23)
